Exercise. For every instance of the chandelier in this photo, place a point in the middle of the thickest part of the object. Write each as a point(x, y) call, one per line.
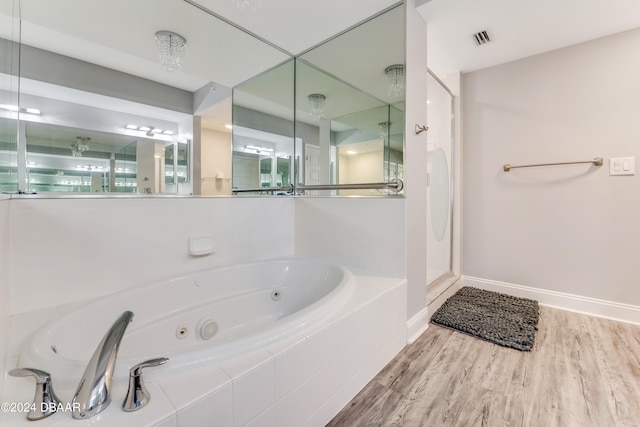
point(80, 147)
point(316, 100)
point(384, 129)
point(171, 46)
point(395, 79)
point(250, 5)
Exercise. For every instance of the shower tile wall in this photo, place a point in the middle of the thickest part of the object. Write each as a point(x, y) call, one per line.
point(69, 250)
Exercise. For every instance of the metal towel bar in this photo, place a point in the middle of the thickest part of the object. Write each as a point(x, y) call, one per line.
point(285, 188)
point(598, 161)
point(396, 186)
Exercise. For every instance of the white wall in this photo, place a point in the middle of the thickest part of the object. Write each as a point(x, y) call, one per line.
point(216, 161)
point(365, 233)
point(66, 250)
point(5, 265)
point(569, 229)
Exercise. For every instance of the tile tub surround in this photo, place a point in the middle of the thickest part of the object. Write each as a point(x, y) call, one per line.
point(302, 380)
point(67, 250)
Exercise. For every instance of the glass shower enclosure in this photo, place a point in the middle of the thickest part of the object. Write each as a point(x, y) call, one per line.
point(440, 180)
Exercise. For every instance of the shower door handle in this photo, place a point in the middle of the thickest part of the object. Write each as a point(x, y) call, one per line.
point(420, 129)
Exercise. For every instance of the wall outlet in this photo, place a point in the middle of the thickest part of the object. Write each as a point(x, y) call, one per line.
point(622, 166)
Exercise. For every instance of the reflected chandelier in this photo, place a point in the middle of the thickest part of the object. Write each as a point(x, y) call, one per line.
point(316, 100)
point(395, 79)
point(250, 5)
point(171, 46)
point(80, 147)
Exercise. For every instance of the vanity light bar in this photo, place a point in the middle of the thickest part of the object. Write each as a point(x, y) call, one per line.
point(149, 129)
point(15, 108)
point(259, 148)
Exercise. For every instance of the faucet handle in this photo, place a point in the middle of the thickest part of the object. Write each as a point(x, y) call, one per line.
point(137, 395)
point(45, 402)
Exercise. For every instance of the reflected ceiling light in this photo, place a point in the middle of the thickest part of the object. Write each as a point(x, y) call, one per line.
point(15, 108)
point(317, 101)
point(395, 79)
point(250, 5)
point(144, 128)
point(168, 132)
point(131, 127)
point(80, 146)
point(384, 129)
point(351, 152)
point(172, 46)
point(228, 126)
point(258, 149)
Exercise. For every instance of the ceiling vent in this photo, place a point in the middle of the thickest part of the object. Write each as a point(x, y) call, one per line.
point(481, 38)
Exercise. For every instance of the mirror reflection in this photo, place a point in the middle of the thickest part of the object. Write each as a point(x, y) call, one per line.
point(263, 131)
point(102, 110)
point(355, 108)
point(118, 112)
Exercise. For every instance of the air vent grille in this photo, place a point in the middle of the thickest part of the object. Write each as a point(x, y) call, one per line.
point(481, 38)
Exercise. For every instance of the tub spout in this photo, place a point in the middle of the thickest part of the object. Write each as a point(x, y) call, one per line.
point(94, 389)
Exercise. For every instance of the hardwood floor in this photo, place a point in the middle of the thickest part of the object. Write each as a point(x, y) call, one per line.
point(582, 371)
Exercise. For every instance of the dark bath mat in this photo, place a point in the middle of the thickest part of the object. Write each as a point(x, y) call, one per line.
point(498, 318)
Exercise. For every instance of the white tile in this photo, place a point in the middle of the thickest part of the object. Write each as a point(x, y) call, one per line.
point(193, 384)
point(216, 409)
point(167, 422)
point(253, 393)
point(300, 362)
point(265, 419)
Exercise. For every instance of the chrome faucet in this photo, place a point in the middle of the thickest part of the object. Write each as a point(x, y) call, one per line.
point(94, 389)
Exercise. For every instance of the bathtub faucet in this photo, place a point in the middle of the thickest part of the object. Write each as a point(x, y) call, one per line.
point(94, 389)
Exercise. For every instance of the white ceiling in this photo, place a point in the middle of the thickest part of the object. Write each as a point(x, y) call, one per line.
point(119, 33)
point(518, 28)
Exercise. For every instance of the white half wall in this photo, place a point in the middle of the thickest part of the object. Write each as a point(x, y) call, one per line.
point(567, 229)
point(66, 250)
point(363, 233)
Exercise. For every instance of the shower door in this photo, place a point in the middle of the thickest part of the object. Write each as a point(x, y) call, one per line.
point(440, 173)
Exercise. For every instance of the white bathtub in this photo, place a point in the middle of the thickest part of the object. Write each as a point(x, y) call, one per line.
point(249, 305)
point(281, 325)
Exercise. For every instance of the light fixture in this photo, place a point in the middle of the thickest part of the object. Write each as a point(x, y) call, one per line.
point(15, 108)
point(258, 149)
point(144, 128)
point(80, 146)
point(384, 129)
point(228, 126)
point(317, 101)
point(351, 152)
point(131, 127)
point(171, 46)
point(250, 5)
point(395, 79)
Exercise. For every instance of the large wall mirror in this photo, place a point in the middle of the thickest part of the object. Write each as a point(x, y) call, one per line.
point(333, 115)
point(88, 105)
point(96, 112)
point(350, 112)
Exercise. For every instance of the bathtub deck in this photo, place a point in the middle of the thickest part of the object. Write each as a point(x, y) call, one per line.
point(582, 371)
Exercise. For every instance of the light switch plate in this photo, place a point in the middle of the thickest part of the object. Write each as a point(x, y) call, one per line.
point(622, 166)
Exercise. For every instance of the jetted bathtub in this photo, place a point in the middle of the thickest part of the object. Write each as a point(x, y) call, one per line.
point(201, 317)
point(285, 343)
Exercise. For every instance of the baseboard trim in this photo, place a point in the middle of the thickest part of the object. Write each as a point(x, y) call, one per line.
point(576, 303)
point(417, 325)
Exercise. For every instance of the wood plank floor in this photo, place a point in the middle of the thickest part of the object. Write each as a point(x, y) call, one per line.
point(582, 371)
